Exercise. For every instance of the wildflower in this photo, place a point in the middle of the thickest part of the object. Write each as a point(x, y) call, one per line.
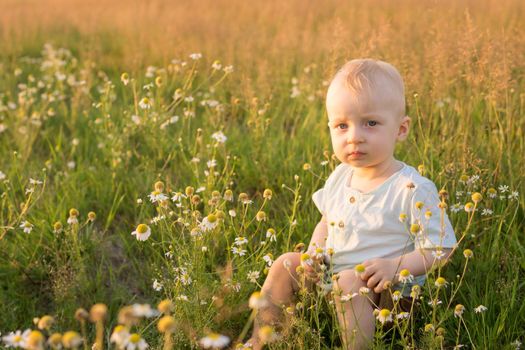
point(2, 176)
point(243, 197)
point(428, 214)
point(476, 197)
point(55, 341)
point(35, 340)
point(402, 217)
point(142, 232)
point(480, 309)
point(124, 78)
point(143, 310)
point(486, 212)
point(228, 195)
point(416, 289)
point(467, 253)
point(305, 259)
point(421, 169)
point(240, 241)
point(157, 196)
point(270, 233)
point(458, 310)
point(438, 254)
point(211, 163)
point(513, 195)
point(228, 69)
point(268, 258)
point(26, 226)
point(182, 297)
point(238, 251)
point(267, 334)
point(261, 216)
point(92, 216)
point(492, 192)
point(195, 56)
point(348, 297)
point(359, 270)
point(364, 291)
point(214, 341)
point(384, 316)
point(403, 315)
point(405, 276)
point(45, 322)
point(166, 324)
point(71, 340)
point(503, 188)
point(429, 327)
point(98, 312)
point(306, 166)
point(135, 341)
point(232, 213)
point(440, 282)
point(435, 302)
point(158, 81)
point(16, 339)
point(209, 223)
point(157, 286)
point(219, 137)
point(415, 228)
point(463, 179)
point(469, 207)
point(419, 205)
point(253, 276)
point(257, 301)
point(119, 336)
point(145, 103)
point(81, 314)
point(216, 65)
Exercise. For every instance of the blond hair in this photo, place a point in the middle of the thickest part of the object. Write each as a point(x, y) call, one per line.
point(367, 76)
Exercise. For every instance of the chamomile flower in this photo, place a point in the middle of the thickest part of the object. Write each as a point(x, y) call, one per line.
point(219, 137)
point(232, 213)
point(440, 282)
point(214, 341)
point(71, 340)
point(384, 316)
point(348, 297)
point(257, 301)
point(238, 251)
point(143, 310)
point(467, 253)
point(402, 217)
point(270, 233)
point(492, 193)
point(469, 207)
point(438, 254)
point(135, 341)
point(359, 270)
point(209, 223)
point(503, 188)
point(2, 176)
point(458, 310)
point(403, 315)
point(268, 258)
point(364, 291)
point(157, 196)
point(119, 336)
point(157, 286)
point(145, 103)
point(55, 341)
point(124, 77)
point(196, 56)
point(252, 276)
point(480, 309)
point(142, 232)
point(267, 334)
point(26, 226)
point(405, 276)
point(16, 339)
point(306, 260)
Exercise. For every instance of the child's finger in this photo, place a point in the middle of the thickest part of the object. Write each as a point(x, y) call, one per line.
point(372, 281)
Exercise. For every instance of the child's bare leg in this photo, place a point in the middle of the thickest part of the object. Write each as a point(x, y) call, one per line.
point(356, 317)
point(279, 288)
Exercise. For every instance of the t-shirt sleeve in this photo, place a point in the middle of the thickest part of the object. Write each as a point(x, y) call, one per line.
point(322, 195)
point(434, 231)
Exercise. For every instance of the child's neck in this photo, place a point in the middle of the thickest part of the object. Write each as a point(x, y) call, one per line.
point(376, 173)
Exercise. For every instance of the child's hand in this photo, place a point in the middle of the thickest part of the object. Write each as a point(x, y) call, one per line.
point(377, 272)
point(312, 266)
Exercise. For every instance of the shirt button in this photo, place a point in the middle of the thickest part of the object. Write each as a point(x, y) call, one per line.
point(352, 199)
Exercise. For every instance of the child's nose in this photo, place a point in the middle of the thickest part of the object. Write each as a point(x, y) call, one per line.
point(354, 136)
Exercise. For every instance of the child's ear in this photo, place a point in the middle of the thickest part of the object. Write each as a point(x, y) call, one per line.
point(404, 127)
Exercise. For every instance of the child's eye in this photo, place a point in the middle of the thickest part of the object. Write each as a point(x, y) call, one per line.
point(369, 123)
point(341, 126)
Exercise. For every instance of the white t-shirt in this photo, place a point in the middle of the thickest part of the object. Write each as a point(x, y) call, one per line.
point(363, 226)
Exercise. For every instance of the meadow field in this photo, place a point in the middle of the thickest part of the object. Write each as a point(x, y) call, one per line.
point(156, 157)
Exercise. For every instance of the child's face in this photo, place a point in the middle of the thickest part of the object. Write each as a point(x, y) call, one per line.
point(369, 125)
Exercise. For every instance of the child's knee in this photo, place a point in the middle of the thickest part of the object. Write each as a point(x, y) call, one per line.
point(286, 262)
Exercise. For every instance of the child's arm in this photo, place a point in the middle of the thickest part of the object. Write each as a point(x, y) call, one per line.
point(319, 236)
point(418, 262)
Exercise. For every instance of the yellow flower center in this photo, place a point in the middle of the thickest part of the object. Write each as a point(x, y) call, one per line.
point(212, 218)
point(142, 228)
point(477, 197)
point(73, 212)
point(414, 228)
point(360, 268)
point(384, 313)
point(404, 273)
point(214, 336)
point(134, 338)
point(419, 205)
point(17, 338)
point(305, 257)
point(441, 281)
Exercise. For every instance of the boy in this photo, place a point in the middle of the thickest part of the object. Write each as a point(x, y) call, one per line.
point(377, 211)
